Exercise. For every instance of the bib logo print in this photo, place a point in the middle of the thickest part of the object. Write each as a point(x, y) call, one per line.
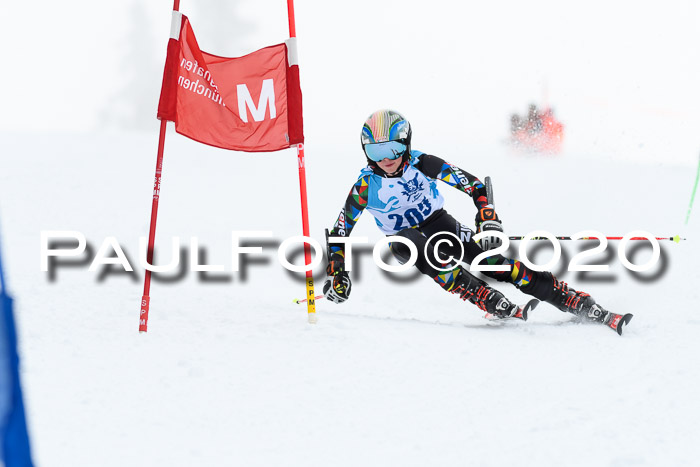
point(412, 189)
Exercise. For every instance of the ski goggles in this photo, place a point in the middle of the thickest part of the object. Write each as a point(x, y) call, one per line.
point(389, 150)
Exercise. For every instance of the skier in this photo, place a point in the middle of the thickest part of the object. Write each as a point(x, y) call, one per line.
point(398, 187)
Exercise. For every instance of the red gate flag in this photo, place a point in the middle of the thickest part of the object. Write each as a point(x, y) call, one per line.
point(250, 103)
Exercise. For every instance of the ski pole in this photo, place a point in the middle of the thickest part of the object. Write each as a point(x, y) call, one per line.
point(489, 191)
point(300, 301)
point(675, 238)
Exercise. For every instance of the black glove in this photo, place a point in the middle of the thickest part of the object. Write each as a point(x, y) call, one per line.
point(486, 219)
point(337, 287)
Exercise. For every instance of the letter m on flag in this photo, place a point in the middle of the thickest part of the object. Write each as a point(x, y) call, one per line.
point(267, 100)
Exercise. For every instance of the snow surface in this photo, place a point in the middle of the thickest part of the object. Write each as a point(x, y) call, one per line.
point(230, 373)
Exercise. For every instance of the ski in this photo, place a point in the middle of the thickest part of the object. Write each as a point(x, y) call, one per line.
point(521, 312)
point(616, 322)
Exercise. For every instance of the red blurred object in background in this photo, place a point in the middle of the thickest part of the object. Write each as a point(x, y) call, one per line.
point(538, 132)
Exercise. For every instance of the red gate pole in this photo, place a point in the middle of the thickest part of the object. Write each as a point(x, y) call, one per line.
point(145, 299)
point(311, 302)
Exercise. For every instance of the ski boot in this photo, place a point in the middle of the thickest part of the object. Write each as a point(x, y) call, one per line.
point(460, 282)
point(582, 305)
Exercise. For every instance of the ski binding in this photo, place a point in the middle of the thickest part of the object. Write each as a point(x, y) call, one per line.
point(520, 313)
